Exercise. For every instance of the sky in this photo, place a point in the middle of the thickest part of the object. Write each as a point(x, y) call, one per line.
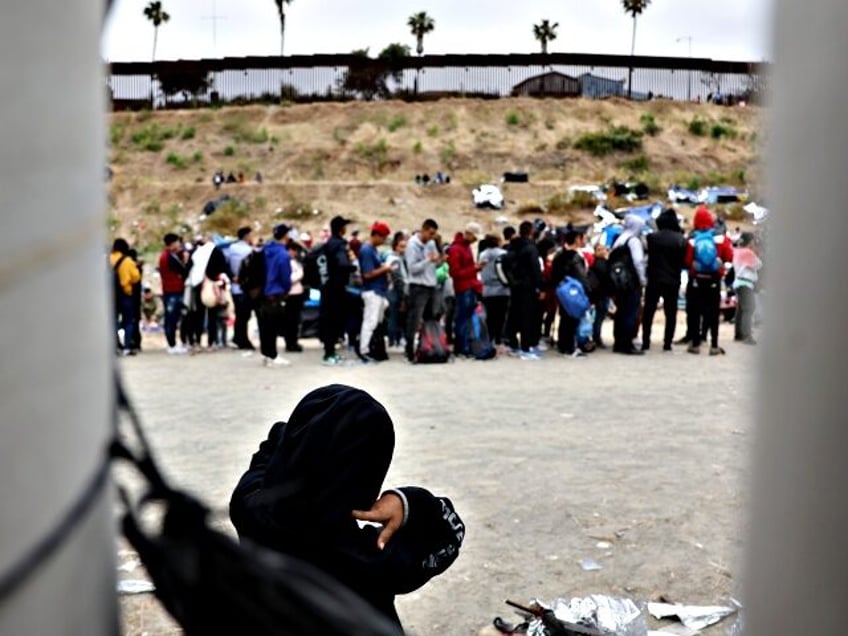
point(720, 29)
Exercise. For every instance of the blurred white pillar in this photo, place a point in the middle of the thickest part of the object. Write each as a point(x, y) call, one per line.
point(55, 373)
point(797, 571)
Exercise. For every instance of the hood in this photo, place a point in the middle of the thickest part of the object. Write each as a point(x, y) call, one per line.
point(703, 219)
point(459, 238)
point(633, 224)
point(332, 458)
point(667, 220)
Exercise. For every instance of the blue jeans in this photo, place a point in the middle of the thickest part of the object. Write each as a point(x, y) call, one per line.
point(396, 326)
point(173, 302)
point(465, 303)
point(626, 320)
point(126, 308)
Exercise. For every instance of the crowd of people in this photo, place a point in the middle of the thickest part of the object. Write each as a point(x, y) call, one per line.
point(376, 293)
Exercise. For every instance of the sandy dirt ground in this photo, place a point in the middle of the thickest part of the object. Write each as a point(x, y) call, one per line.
point(543, 460)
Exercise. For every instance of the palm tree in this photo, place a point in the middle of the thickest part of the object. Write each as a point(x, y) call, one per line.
point(634, 8)
point(420, 24)
point(158, 17)
point(545, 32)
point(281, 9)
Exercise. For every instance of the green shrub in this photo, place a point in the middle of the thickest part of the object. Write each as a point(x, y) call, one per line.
point(178, 161)
point(153, 145)
point(188, 133)
point(376, 155)
point(649, 125)
point(513, 119)
point(228, 218)
point(448, 154)
point(116, 133)
point(417, 148)
point(144, 115)
point(433, 131)
point(615, 139)
point(637, 164)
point(151, 137)
point(229, 151)
point(722, 130)
point(694, 183)
point(398, 121)
point(698, 127)
point(197, 157)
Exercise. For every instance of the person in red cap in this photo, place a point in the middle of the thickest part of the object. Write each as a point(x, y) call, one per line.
point(375, 287)
point(706, 254)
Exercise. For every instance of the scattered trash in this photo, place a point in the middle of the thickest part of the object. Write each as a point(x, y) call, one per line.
point(515, 177)
point(720, 194)
point(595, 190)
point(631, 191)
point(603, 545)
point(129, 566)
point(692, 616)
point(135, 586)
point(590, 565)
point(488, 196)
point(758, 212)
point(602, 615)
point(676, 194)
point(502, 220)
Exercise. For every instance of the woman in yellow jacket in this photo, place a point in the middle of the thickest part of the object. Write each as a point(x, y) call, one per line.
point(125, 274)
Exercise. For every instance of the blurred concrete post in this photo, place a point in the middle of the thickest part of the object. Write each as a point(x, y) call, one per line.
point(54, 328)
point(797, 571)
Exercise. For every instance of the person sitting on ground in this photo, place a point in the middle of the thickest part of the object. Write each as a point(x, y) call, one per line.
point(318, 474)
point(150, 310)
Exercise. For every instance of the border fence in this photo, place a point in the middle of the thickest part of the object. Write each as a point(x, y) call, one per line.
point(312, 78)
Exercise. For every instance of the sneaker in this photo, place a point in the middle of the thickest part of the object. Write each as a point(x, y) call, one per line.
point(536, 351)
point(578, 354)
point(693, 349)
point(177, 350)
point(666, 347)
point(514, 352)
point(541, 348)
point(366, 359)
point(716, 351)
point(275, 362)
point(332, 361)
point(529, 355)
point(749, 341)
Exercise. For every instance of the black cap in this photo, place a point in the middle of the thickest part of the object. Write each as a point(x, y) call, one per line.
point(338, 223)
point(281, 231)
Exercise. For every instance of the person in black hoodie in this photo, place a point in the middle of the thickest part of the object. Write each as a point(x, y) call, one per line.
point(333, 311)
point(525, 294)
point(666, 257)
point(569, 262)
point(320, 472)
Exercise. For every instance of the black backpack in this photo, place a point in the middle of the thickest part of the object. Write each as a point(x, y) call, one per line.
point(505, 268)
point(251, 274)
point(316, 268)
point(623, 276)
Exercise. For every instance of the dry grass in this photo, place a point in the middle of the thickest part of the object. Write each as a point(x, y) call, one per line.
point(324, 153)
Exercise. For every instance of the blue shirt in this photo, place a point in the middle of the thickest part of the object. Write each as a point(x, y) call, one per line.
point(277, 269)
point(369, 260)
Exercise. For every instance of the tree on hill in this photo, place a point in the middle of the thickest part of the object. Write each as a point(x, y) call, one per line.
point(364, 77)
point(635, 9)
point(545, 32)
point(157, 15)
point(420, 24)
point(281, 10)
point(394, 54)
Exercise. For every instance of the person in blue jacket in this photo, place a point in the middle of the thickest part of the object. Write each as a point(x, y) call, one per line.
point(277, 286)
point(318, 475)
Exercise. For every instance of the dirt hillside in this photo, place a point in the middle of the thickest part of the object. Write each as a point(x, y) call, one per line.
point(360, 159)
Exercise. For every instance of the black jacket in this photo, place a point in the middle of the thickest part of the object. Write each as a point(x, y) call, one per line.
point(666, 257)
point(339, 265)
point(329, 459)
point(569, 263)
point(527, 271)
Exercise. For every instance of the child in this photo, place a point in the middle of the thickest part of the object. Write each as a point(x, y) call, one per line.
point(747, 266)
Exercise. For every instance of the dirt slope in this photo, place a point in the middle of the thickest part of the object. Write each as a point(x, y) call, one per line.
point(360, 159)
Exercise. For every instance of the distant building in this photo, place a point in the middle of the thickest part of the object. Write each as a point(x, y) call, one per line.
point(595, 87)
point(551, 84)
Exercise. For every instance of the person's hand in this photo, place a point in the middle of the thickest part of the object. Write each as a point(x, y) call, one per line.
point(434, 257)
point(388, 511)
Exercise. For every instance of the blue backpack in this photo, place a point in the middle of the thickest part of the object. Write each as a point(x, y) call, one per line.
point(572, 297)
point(706, 259)
point(481, 345)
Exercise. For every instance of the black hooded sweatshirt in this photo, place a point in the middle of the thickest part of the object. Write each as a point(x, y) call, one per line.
point(666, 252)
point(329, 459)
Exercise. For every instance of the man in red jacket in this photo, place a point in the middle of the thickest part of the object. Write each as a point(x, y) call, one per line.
point(173, 269)
point(706, 254)
point(466, 284)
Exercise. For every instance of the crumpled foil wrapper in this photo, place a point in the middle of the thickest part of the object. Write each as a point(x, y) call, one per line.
point(611, 616)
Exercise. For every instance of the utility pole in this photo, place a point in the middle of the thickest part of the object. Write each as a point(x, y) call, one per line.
point(689, 91)
point(214, 18)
